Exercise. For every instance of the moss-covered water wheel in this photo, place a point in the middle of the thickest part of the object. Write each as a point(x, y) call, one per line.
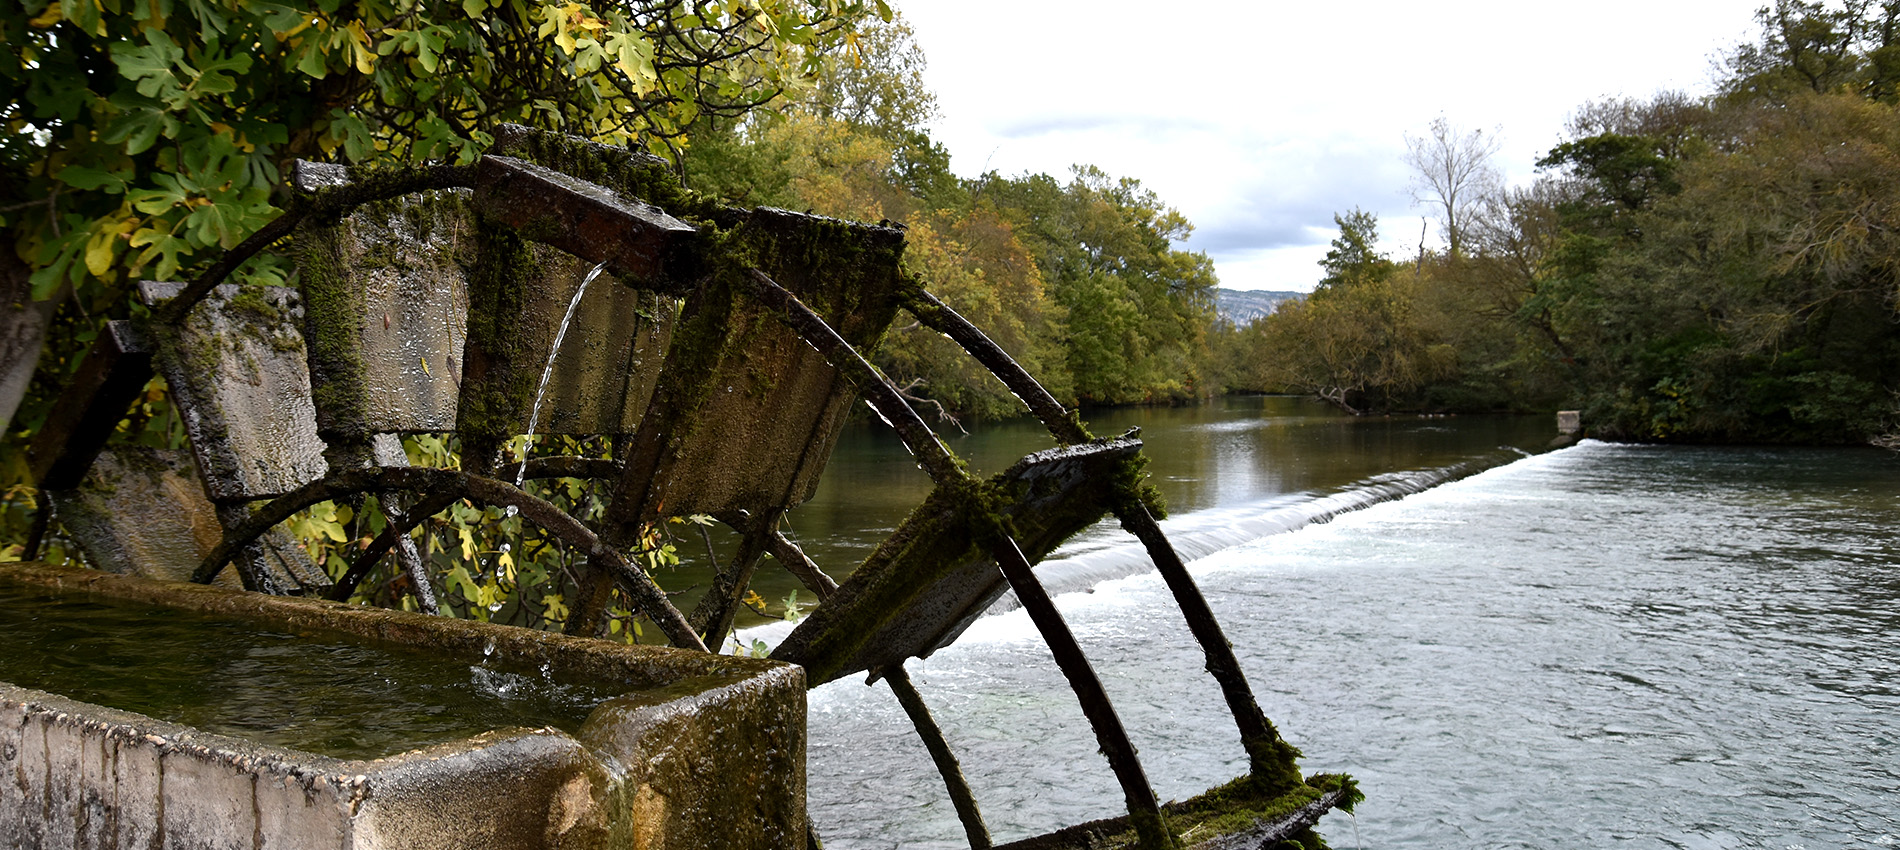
point(729, 406)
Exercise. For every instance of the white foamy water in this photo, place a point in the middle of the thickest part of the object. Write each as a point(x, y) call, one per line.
point(1606, 645)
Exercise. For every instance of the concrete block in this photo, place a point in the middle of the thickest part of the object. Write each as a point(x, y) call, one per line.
point(605, 370)
point(98, 795)
point(387, 312)
point(31, 781)
point(137, 781)
point(389, 291)
point(207, 803)
point(636, 239)
point(301, 812)
point(748, 412)
point(448, 797)
point(237, 372)
point(13, 808)
point(610, 357)
point(141, 511)
point(718, 739)
point(64, 788)
point(704, 752)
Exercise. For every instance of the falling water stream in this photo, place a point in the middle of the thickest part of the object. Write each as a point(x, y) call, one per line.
point(547, 373)
point(1605, 645)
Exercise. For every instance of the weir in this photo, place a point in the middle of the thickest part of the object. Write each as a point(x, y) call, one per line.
point(718, 357)
point(1211, 531)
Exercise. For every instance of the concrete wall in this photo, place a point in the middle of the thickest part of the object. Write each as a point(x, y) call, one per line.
point(708, 753)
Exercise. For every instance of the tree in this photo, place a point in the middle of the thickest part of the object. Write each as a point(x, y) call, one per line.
point(1355, 342)
point(1814, 47)
point(1081, 281)
point(876, 82)
point(1138, 309)
point(1354, 257)
point(144, 138)
point(1452, 171)
point(1738, 288)
point(854, 148)
point(1720, 269)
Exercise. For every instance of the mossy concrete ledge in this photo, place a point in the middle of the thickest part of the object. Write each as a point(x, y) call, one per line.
point(704, 752)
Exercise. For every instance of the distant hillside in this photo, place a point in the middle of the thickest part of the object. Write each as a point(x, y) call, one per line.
point(1243, 306)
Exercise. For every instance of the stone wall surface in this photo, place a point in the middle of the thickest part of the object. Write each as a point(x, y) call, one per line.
point(76, 775)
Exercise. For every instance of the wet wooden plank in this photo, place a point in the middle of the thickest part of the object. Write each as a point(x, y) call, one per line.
point(933, 576)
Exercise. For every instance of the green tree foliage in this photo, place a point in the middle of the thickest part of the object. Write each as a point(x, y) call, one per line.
point(142, 138)
point(1710, 270)
point(1818, 48)
point(967, 254)
point(1354, 259)
point(1757, 301)
point(1138, 309)
point(974, 261)
point(876, 83)
point(1357, 341)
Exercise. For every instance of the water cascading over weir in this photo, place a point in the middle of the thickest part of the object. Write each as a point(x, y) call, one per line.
point(719, 360)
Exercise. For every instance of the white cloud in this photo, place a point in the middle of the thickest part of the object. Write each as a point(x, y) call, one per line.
point(1259, 121)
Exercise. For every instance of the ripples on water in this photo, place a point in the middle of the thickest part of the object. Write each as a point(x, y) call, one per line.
point(1608, 645)
point(315, 693)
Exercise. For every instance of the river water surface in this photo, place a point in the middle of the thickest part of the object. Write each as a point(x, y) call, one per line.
point(1599, 646)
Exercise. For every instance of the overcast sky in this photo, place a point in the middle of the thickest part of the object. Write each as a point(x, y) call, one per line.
point(1259, 121)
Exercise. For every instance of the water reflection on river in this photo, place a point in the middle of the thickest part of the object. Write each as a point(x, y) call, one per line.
point(1243, 451)
point(1606, 645)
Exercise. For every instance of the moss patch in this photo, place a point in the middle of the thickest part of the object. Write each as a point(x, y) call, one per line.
point(498, 386)
point(629, 172)
point(1229, 812)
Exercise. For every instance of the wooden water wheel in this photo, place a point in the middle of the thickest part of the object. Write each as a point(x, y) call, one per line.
point(727, 401)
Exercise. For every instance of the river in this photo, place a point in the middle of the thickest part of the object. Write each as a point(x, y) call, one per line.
point(1601, 645)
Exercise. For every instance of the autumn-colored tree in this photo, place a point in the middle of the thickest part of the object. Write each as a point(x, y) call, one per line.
point(1081, 281)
